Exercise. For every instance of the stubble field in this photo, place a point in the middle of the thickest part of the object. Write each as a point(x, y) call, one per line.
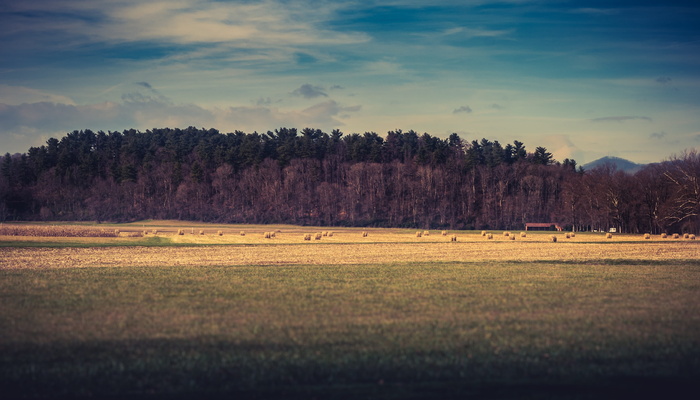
point(386, 315)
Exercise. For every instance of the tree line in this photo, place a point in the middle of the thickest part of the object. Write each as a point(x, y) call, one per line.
point(310, 177)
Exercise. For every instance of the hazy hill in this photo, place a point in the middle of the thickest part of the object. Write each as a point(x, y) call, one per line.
point(619, 163)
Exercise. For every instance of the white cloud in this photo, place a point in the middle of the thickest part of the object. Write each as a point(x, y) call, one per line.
point(16, 95)
point(270, 23)
point(562, 147)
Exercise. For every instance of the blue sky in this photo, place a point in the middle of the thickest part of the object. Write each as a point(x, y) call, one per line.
point(584, 79)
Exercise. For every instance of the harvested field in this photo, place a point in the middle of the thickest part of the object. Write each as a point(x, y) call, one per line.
point(319, 253)
point(383, 316)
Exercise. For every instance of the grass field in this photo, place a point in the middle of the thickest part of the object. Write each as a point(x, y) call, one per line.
point(388, 315)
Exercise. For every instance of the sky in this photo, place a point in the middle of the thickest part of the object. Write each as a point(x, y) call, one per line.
point(584, 79)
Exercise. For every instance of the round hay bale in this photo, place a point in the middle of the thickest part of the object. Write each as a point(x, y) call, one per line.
point(664, 235)
point(692, 236)
point(609, 235)
point(242, 233)
point(523, 234)
point(554, 239)
point(220, 233)
point(489, 236)
point(454, 238)
point(676, 236)
point(180, 231)
point(568, 235)
point(444, 233)
point(419, 234)
point(483, 233)
point(686, 236)
point(511, 237)
point(647, 236)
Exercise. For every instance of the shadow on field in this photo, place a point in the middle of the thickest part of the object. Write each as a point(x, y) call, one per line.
point(191, 369)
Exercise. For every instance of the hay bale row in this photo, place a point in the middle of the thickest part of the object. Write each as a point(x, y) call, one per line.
point(690, 236)
point(307, 236)
point(132, 234)
point(318, 236)
point(269, 235)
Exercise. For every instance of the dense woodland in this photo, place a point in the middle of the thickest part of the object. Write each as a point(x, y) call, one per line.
point(310, 177)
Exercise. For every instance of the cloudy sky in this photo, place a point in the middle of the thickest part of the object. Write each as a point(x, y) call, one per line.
point(584, 79)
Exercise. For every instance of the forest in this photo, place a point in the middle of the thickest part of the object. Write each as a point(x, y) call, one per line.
point(310, 177)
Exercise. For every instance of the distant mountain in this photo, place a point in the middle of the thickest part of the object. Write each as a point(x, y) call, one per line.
point(619, 163)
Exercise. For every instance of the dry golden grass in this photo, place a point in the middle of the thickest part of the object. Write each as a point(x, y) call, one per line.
point(224, 245)
point(55, 231)
point(325, 252)
point(206, 305)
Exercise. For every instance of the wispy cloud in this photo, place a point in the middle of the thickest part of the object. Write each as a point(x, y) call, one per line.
point(658, 135)
point(251, 25)
point(30, 122)
point(15, 95)
point(595, 11)
point(462, 109)
point(309, 91)
point(621, 119)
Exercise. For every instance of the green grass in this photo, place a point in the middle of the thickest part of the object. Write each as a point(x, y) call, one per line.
point(499, 330)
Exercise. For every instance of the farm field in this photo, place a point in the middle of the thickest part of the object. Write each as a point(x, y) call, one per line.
point(386, 315)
